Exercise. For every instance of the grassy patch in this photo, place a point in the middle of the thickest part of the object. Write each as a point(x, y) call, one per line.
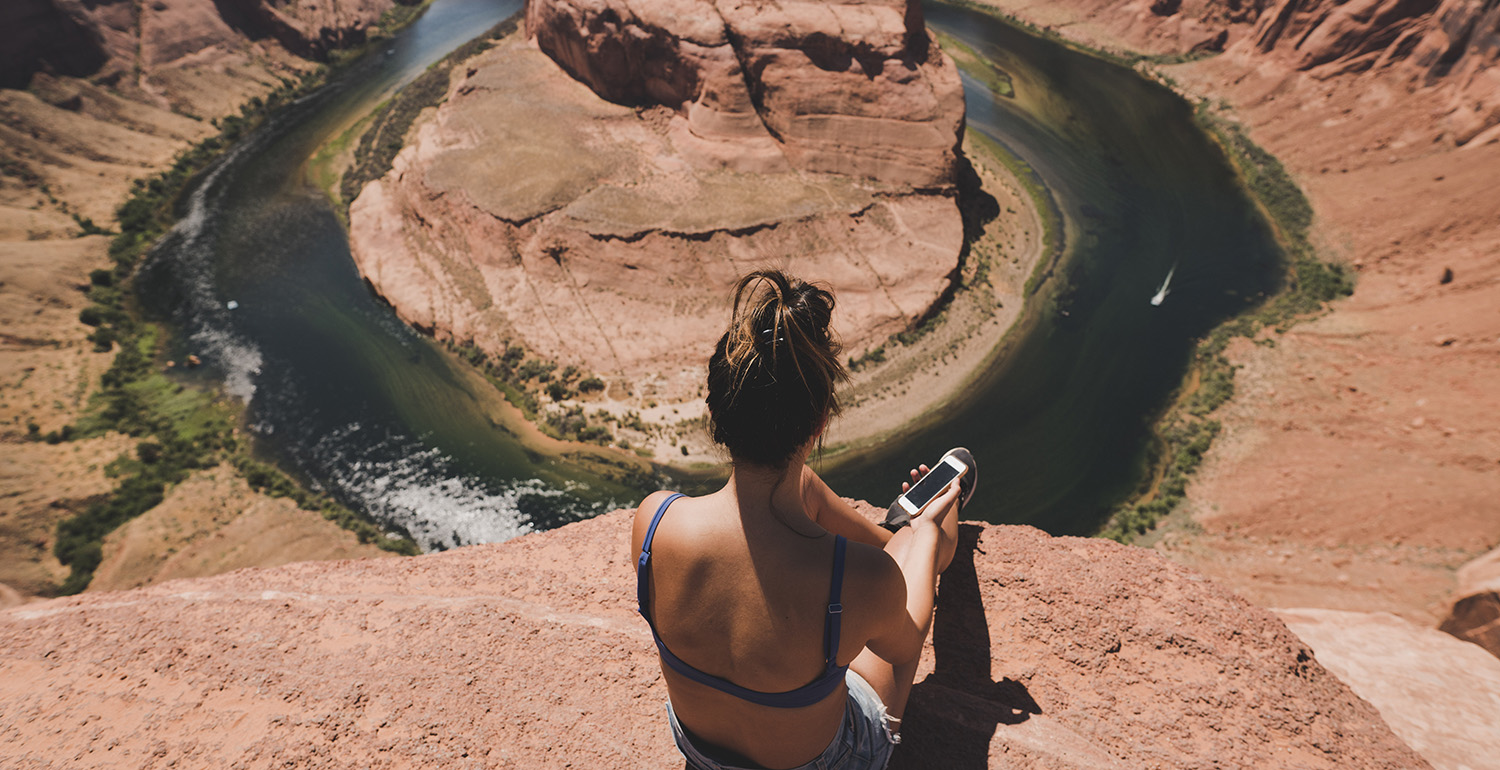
point(1041, 201)
point(529, 383)
point(997, 80)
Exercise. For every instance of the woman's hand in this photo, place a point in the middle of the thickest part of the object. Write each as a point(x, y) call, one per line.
point(938, 508)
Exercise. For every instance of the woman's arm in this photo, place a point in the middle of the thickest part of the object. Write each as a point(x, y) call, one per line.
point(919, 559)
point(833, 514)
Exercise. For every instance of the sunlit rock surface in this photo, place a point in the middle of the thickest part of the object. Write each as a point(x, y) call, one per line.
point(603, 229)
point(1047, 652)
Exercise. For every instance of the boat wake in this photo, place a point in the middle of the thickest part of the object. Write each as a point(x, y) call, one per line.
point(1164, 290)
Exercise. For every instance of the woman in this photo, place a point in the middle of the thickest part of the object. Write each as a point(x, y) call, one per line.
point(788, 625)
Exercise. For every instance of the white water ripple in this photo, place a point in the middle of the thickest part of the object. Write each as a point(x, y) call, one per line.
point(417, 490)
point(211, 334)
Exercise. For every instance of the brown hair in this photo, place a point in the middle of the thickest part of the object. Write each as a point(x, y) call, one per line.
point(772, 376)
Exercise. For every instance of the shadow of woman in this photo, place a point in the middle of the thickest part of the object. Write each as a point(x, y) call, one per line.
point(954, 712)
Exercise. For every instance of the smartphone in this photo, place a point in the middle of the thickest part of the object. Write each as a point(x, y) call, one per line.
point(930, 485)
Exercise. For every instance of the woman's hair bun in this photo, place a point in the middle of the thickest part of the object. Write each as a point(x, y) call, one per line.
point(773, 374)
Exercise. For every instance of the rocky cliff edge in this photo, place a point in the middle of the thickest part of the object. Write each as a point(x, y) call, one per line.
point(1046, 652)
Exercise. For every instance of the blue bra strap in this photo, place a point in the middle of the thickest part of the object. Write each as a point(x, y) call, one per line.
point(807, 695)
point(832, 620)
point(642, 594)
point(812, 692)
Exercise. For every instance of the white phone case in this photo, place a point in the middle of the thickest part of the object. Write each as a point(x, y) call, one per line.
point(912, 507)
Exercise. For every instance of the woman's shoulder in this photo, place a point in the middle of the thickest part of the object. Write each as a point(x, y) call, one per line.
point(646, 511)
point(872, 575)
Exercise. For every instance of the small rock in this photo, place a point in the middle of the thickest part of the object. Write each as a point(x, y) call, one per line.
point(1418, 422)
point(1444, 340)
point(1447, 275)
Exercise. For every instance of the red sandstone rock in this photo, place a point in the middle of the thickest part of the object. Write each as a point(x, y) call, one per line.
point(1475, 615)
point(1439, 694)
point(855, 88)
point(126, 39)
point(528, 210)
point(1047, 652)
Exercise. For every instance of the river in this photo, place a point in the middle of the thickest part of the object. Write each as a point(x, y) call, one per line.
point(341, 392)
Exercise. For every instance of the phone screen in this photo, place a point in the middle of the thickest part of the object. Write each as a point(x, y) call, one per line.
point(931, 484)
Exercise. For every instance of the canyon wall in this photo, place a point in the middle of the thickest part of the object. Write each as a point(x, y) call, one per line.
point(1450, 46)
point(1046, 652)
point(591, 192)
point(95, 95)
point(116, 40)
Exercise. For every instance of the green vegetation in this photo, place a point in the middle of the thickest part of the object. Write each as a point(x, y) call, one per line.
point(871, 357)
point(573, 425)
point(523, 380)
point(185, 428)
point(997, 80)
point(268, 479)
point(391, 120)
point(1185, 432)
point(1041, 201)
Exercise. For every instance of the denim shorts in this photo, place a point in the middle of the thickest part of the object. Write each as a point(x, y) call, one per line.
point(864, 741)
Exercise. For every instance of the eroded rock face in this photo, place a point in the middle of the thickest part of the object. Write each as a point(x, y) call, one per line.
point(1447, 44)
point(1475, 614)
point(1047, 652)
point(122, 38)
point(1450, 45)
point(1437, 693)
point(853, 88)
point(528, 210)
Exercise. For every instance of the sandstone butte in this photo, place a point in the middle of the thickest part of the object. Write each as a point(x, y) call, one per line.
point(1046, 653)
point(592, 189)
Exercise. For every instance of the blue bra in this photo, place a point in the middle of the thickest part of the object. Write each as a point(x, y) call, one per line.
point(806, 695)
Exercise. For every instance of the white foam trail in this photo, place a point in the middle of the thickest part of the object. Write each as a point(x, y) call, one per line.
point(211, 335)
point(420, 491)
point(1161, 293)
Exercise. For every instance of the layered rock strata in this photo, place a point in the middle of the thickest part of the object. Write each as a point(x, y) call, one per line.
point(599, 221)
point(1447, 45)
point(117, 38)
point(1046, 652)
point(849, 88)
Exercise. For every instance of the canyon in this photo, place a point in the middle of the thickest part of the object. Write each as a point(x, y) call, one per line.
point(1351, 484)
